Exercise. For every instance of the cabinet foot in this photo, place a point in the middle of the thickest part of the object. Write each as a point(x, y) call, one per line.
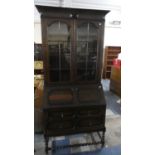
point(46, 144)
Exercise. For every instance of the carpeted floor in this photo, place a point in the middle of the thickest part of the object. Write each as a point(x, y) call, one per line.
point(115, 150)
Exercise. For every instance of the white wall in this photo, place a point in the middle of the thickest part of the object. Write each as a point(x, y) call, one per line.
point(37, 32)
point(112, 36)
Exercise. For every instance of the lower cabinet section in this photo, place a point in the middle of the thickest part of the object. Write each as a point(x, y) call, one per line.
point(72, 110)
point(74, 120)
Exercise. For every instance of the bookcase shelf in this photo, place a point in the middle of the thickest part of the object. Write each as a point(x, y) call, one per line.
point(111, 53)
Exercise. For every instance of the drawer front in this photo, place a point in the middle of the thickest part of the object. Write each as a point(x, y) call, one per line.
point(65, 122)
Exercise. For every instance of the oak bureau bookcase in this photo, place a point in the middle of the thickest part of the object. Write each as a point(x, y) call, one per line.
point(73, 52)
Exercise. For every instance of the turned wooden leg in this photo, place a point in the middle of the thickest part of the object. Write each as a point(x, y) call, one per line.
point(46, 144)
point(103, 139)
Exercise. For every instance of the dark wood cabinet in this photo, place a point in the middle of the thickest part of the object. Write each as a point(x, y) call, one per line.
point(73, 48)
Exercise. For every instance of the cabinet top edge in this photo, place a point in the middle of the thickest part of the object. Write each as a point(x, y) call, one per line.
point(45, 9)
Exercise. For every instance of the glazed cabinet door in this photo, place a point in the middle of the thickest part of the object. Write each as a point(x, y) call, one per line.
point(59, 42)
point(87, 49)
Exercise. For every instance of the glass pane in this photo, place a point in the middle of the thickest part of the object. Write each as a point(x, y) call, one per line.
point(81, 48)
point(81, 74)
point(54, 75)
point(91, 74)
point(54, 55)
point(86, 51)
point(58, 31)
point(65, 75)
point(65, 55)
point(82, 32)
point(59, 51)
point(92, 47)
point(92, 32)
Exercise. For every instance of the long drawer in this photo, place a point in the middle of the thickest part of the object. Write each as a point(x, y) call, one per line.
point(68, 122)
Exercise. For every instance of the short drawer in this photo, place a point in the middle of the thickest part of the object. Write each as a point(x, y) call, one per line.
point(60, 125)
point(60, 116)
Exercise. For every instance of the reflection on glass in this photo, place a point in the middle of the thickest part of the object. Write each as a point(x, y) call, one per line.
point(86, 51)
point(59, 51)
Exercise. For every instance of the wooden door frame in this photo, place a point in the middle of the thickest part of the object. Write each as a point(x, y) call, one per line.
point(46, 21)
